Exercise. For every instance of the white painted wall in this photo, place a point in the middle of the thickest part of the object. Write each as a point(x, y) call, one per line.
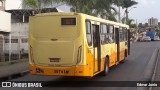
point(5, 21)
point(19, 31)
point(13, 4)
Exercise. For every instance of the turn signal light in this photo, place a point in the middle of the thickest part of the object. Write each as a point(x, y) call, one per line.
point(79, 54)
point(31, 54)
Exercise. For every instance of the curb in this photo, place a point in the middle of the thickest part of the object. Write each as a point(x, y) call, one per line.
point(150, 69)
point(9, 77)
point(12, 62)
point(155, 69)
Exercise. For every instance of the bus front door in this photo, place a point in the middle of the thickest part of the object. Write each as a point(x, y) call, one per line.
point(96, 48)
point(117, 44)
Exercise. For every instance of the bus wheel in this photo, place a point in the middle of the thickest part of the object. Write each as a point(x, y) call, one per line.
point(106, 67)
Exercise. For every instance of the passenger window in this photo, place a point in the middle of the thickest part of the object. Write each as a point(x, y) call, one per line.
point(111, 33)
point(104, 34)
point(123, 34)
point(88, 33)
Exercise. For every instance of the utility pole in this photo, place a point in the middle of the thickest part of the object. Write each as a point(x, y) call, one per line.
point(137, 34)
point(19, 43)
point(126, 11)
point(10, 49)
point(119, 15)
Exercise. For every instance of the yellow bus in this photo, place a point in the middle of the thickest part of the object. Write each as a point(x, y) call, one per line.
point(75, 44)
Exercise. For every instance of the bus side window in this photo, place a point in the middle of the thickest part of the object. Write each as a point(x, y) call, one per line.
point(95, 43)
point(125, 33)
point(111, 33)
point(104, 34)
point(88, 33)
point(121, 35)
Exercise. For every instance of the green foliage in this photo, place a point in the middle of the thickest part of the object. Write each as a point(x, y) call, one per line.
point(102, 8)
point(130, 22)
point(117, 2)
point(126, 4)
point(158, 32)
point(37, 4)
point(133, 26)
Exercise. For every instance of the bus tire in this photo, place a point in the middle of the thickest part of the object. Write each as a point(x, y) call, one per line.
point(106, 67)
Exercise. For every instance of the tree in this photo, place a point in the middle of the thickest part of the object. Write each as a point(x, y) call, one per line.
point(106, 9)
point(130, 22)
point(102, 8)
point(37, 5)
point(126, 4)
point(118, 3)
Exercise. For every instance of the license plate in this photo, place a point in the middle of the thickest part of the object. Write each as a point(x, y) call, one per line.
point(61, 71)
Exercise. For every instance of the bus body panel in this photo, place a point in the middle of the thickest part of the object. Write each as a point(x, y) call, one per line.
point(63, 50)
point(81, 70)
point(111, 52)
point(53, 44)
point(122, 50)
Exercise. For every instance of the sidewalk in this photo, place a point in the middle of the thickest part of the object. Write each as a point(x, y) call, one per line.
point(157, 73)
point(12, 69)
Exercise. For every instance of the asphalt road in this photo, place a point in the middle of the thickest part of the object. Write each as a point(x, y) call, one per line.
point(131, 70)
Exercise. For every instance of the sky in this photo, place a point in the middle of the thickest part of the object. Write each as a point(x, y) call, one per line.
point(145, 9)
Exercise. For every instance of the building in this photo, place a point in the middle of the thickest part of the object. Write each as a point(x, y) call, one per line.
point(153, 21)
point(19, 29)
point(5, 28)
point(14, 37)
point(140, 25)
point(13, 4)
point(19, 4)
point(2, 5)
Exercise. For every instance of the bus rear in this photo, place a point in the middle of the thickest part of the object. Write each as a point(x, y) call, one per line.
point(56, 45)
